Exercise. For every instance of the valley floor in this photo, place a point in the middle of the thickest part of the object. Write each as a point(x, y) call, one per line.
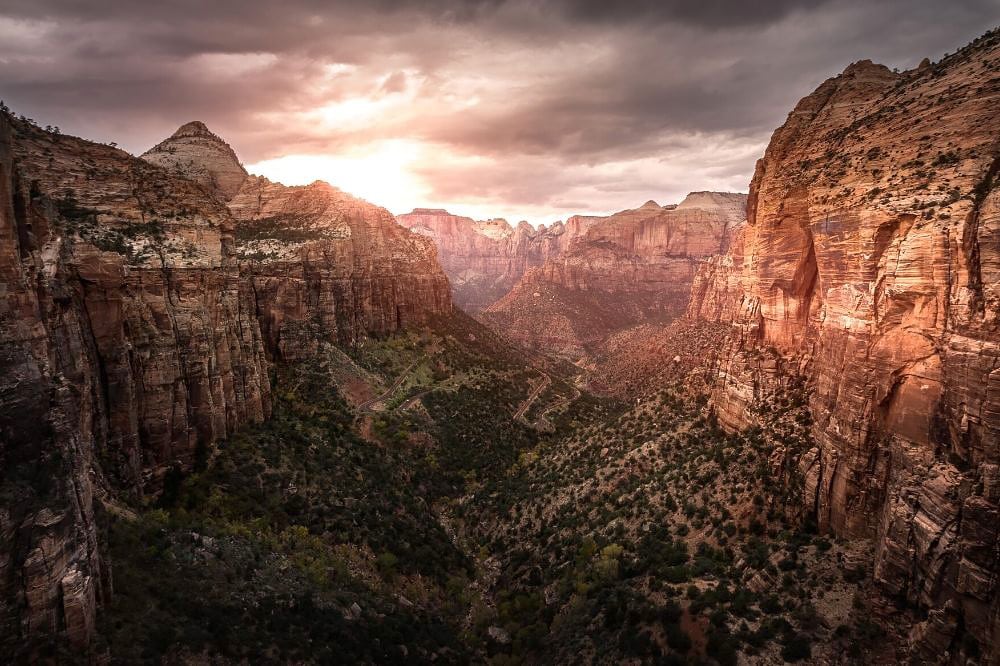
point(437, 497)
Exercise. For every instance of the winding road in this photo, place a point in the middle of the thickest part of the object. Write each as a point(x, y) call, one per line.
point(367, 405)
point(526, 405)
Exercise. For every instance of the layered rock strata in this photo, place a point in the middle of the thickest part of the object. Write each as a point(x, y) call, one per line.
point(871, 262)
point(132, 334)
point(485, 259)
point(632, 267)
point(194, 152)
point(127, 340)
point(326, 266)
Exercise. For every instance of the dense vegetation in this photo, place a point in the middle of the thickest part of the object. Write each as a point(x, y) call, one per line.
point(426, 523)
point(295, 539)
point(652, 534)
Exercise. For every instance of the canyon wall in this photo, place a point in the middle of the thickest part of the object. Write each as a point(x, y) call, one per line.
point(326, 266)
point(485, 259)
point(127, 340)
point(323, 266)
point(138, 320)
point(632, 267)
point(871, 263)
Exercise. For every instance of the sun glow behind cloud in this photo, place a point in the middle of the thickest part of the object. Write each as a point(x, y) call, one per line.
point(380, 173)
point(383, 139)
point(402, 174)
point(536, 109)
point(377, 138)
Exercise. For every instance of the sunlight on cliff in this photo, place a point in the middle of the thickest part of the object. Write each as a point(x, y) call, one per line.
point(380, 173)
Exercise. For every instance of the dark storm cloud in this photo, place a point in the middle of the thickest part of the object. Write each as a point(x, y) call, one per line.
point(711, 13)
point(568, 87)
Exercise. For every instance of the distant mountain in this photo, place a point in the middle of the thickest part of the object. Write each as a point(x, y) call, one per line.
point(632, 267)
point(484, 259)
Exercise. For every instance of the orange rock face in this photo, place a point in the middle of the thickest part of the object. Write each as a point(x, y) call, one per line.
point(326, 266)
point(485, 259)
point(632, 267)
point(870, 262)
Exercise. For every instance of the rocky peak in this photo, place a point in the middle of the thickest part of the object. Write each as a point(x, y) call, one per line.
point(712, 200)
point(196, 153)
point(496, 228)
point(866, 69)
point(194, 128)
point(430, 211)
point(731, 205)
point(650, 205)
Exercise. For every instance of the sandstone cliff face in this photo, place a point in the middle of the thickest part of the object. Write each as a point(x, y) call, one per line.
point(127, 340)
point(870, 261)
point(131, 333)
point(632, 267)
point(323, 266)
point(485, 259)
point(327, 266)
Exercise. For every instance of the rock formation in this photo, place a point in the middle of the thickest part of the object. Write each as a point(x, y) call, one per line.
point(328, 266)
point(199, 155)
point(131, 333)
point(324, 266)
point(632, 267)
point(484, 259)
point(871, 262)
point(127, 341)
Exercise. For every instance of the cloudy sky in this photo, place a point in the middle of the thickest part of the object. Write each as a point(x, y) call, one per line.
point(529, 109)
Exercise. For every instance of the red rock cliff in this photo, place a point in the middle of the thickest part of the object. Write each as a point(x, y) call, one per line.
point(871, 262)
point(126, 339)
point(323, 266)
point(632, 267)
point(327, 266)
point(484, 259)
point(131, 333)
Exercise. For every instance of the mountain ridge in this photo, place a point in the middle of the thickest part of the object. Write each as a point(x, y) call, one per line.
point(636, 265)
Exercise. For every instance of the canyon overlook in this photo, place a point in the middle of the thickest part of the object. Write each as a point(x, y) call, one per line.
point(243, 420)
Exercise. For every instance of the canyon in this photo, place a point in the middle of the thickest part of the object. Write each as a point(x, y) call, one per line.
point(632, 267)
point(485, 259)
point(758, 427)
point(566, 287)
